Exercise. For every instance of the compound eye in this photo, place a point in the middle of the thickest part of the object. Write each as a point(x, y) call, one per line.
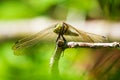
point(57, 28)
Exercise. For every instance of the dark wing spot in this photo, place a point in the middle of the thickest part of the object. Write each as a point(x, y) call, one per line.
point(103, 36)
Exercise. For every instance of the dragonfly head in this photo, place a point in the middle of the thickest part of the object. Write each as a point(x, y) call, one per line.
point(60, 29)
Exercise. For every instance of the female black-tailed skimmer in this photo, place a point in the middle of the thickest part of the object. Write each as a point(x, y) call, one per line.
point(53, 33)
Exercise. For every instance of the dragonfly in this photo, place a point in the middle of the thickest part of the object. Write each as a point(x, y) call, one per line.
point(53, 33)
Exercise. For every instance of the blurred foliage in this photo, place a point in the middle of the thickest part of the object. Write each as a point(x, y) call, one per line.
point(75, 63)
point(59, 9)
point(107, 64)
point(35, 66)
point(110, 9)
point(14, 9)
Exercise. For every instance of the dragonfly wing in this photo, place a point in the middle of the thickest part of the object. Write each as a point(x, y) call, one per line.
point(83, 36)
point(46, 35)
point(97, 38)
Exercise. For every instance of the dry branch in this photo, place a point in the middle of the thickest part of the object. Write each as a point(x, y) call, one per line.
point(60, 46)
point(93, 45)
point(54, 61)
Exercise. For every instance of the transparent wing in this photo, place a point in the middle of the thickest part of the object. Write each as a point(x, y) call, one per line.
point(25, 44)
point(83, 36)
point(47, 35)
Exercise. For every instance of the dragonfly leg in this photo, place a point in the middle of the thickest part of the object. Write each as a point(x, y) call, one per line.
point(58, 38)
point(64, 39)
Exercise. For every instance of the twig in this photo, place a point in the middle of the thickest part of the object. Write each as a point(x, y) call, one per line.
point(93, 45)
point(54, 61)
point(60, 46)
